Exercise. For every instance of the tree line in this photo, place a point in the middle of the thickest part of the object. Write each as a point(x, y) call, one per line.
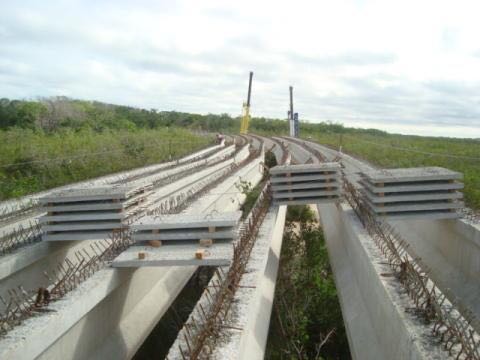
point(56, 113)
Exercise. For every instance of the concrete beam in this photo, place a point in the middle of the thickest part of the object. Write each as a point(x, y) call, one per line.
point(377, 324)
point(254, 336)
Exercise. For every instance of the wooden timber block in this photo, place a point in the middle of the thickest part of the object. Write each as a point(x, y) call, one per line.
point(141, 255)
point(211, 229)
point(206, 242)
point(155, 243)
point(200, 254)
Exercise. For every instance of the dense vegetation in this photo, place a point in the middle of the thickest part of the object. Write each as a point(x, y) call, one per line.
point(32, 161)
point(59, 141)
point(306, 319)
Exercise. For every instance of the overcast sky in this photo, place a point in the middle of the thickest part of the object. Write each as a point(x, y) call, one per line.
point(403, 66)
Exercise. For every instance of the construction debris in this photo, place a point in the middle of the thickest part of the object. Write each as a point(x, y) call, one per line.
point(306, 184)
point(412, 193)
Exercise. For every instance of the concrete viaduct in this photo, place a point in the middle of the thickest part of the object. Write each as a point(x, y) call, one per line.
point(109, 314)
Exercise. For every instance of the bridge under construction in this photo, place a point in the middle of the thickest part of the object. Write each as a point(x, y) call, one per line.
point(88, 270)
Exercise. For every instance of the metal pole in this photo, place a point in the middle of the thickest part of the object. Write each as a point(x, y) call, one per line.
point(249, 88)
point(291, 102)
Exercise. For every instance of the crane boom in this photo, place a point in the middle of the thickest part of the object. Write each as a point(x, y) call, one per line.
point(249, 88)
point(245, 122)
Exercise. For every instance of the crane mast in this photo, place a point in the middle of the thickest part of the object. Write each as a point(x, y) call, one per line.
point(245, 122)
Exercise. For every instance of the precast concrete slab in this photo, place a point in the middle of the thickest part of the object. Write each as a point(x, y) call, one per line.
point(185, 235)
point(414, 187)
point(82, 217)
point(90, 194)
point(411, 175)
point(409, 197)
point(218, 254)
point(187, 227)
point(294, 184)
point(420, 215)
point(413, 192)
point(335, 183)
point(312, 194)
point(73, 236)
point(183, 221)
point(83, 207)
point(67, 227)
point(102, 209)
point(305, 201)
point(402, 207)
point(305, 178)
point(332, 167)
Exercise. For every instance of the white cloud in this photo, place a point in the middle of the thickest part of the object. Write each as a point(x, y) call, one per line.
point(403, 66)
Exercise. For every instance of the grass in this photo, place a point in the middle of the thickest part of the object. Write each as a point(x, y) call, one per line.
point(32, 161)
point(391, 151)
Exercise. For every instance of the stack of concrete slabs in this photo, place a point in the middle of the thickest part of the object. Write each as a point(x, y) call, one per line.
point(181, 236)
point(89, 214)
point(306, 183)
point(413, 193)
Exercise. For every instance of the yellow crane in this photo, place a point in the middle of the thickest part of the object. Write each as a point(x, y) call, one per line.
point(245, 123)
